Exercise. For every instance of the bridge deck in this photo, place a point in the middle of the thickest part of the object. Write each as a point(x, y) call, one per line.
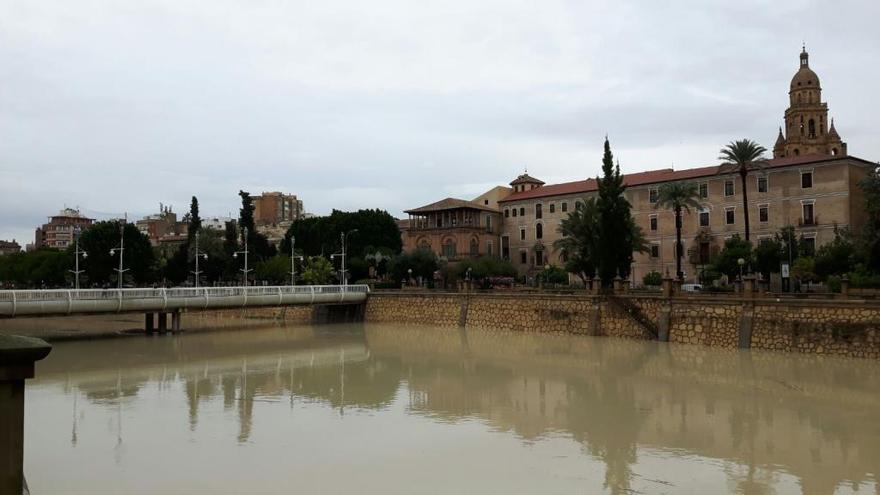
point(62, 302)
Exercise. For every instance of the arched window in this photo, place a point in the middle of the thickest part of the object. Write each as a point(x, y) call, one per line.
point(834, 151)
point(475, 247)
point(539, 231)
point(449, 248)
point(812, 129)
point(797, 152)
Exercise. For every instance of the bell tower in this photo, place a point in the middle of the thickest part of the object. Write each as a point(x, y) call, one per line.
point(806, 130)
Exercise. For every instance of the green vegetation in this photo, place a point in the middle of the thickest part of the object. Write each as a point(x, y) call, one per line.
point(652, 278)
point(317, 271)
point(36, 269)
point(553, 275)
point(678, 197)
point(422, 262)
point(100, 267)
point(741, 157)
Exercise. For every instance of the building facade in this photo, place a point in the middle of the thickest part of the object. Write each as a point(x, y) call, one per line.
point(163, 227)
point(9, 247)
point(59, 232)
point(273, 208)
point(811, 184)
point(453, 228)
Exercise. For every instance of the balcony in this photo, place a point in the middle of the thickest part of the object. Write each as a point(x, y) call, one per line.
point(472, 227)
point(808, 221)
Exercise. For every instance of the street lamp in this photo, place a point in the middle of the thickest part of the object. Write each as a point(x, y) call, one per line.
point(293, 259)
point(76, 253)
point(343, 236)
point(244, 270)
point(121, 249)
point(197, 273)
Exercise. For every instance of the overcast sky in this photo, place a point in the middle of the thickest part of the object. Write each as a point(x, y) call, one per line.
point(116, 106)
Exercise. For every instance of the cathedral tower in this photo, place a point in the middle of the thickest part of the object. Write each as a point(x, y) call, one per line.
point(807, 129)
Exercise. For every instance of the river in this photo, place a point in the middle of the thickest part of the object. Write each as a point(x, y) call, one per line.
point(394, 410)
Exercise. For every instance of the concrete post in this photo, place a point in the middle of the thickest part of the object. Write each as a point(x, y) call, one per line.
point(676, 284)
point(763, 284)
point(595, 285)
point(666, 286)
point(618, 285)
point(175, 322)
point(17, 357)
point(749, 286)
point(163, 322)
point(844, 287)
point(148, 323)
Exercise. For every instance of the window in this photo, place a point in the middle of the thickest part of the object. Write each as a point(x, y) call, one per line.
point(522, 212)
point(522, 233)
point(523, 257)
point(507, 213)
point(489, 223)
point(538, 212)
point(808, 245)
point(485, 201)
point(505, 247)
point(489, 249)
point(806, 180)
point(762, 184)
point(652, 195)
point(704, 190)
point(705, 253)
point(763, 213)
point(809, 218)
point(653, 222)
point(729, 215)
point(564, 207)
point(439, 221)
point(514, 212)
point(539, 231)
point(729, 189)
point(552, 207)
point(475, 248)
point(655, 250)
point(449, 248)
point(704, 218)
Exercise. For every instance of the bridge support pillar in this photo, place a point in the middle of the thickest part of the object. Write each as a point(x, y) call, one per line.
point(18, 357)
point(175, 322)
point(149, 322)
point(163, 322)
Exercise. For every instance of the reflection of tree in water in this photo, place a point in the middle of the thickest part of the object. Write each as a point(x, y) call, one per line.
point(605, 418)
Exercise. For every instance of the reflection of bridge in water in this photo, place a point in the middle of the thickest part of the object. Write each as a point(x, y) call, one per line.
point(762, 414)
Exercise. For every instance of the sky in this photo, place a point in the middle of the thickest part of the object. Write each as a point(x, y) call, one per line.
point(116, 106)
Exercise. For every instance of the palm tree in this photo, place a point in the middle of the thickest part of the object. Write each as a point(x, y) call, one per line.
point(741, 157)
point(578, 243)
point(678, 196)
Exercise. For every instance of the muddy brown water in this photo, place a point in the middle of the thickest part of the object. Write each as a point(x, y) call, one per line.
point(384, 409)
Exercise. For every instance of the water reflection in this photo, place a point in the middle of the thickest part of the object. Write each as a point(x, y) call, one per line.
point(651, 418)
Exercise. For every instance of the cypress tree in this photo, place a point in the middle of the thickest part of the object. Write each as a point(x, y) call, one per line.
point(618, 234)
point(195, 221)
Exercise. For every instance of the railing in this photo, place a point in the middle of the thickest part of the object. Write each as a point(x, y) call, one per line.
point(32, 302)
point(804, 222)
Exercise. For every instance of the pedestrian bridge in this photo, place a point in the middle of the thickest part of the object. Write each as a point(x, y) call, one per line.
point(88, 301)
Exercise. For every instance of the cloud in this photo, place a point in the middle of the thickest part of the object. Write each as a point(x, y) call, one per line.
point(117, 106)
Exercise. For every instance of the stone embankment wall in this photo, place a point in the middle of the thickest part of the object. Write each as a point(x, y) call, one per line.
point(836, 327)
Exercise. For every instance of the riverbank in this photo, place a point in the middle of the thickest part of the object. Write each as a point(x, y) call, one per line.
point(103, 326)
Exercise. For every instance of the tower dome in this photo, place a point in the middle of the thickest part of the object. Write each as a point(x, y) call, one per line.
point(805, 78)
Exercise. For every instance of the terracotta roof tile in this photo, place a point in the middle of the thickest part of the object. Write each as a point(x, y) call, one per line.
point(450, 204)
point(660, 176)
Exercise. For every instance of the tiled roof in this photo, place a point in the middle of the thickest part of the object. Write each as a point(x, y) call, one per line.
point(450, 204)
point(663, 175)
point(526, 179)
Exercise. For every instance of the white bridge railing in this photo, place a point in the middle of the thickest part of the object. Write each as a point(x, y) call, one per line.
point(59, 302)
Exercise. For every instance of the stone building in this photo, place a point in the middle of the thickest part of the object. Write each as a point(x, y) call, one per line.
point(811, 184)
point(163, 227)
point(9, 247)
point(454, 228)
point(807, 128)
point(59, 232)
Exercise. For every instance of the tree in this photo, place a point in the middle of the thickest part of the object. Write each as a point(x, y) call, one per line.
point(741, 157)
point(101, 237)
point(869, 238)
point(768, 256)
point(422, 262)
point(653, 278)
point(789, 244)
point(44, 267)
point(836, 257)
point(727, 261)
point(376, 230)
point(258, 245)
point(619, 236)
point(275, 270)
point(553, 275)
point(579, 241)
point(678, 196)
point(317, 271)
point(195, 221)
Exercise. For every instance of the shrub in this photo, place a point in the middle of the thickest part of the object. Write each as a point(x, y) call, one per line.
point(652, 278)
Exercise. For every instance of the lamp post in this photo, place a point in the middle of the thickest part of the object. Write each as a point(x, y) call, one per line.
point(121, 249)
point(197, 273)
point(76, 254)
point(244, 270)
point(343, 236)
point(293, 259)
point(741, 262)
